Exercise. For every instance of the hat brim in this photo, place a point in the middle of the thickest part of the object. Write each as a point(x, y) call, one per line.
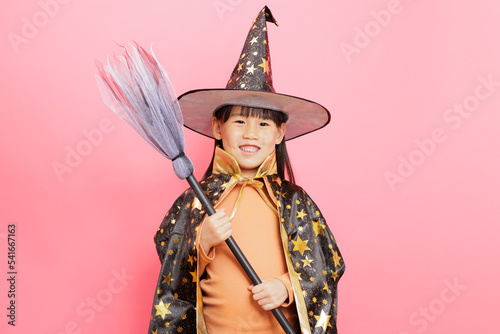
point(304, 116)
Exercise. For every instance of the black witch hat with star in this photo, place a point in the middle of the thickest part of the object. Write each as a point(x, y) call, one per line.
point(251, 85)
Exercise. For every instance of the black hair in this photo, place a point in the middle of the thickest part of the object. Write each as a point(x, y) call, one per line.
point(278, 117)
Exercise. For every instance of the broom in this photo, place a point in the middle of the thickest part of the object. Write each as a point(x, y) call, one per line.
point(136, 87)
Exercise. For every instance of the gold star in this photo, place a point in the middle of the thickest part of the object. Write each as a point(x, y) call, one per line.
point(193, 273)
point(176, 239)
point(158, 291)
point(323, 320)
point(167, 279)
point(301, 214)
point(254, 40)
point(155, 332)
point(307, 262)
point(197, 204)
point(300, 245)
point(240, 67)
point(336, 258)
point(251, 69)
point(311, 279)
point(191, 259)
point(162, 309)
point(326, 287)
point(173, 221)
point(318, 227)
point(265, 65)
point(334, 275)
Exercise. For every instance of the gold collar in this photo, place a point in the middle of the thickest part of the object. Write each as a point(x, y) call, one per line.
point(225, 163)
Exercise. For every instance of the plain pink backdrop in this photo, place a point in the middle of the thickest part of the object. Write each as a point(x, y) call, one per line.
point(406, 174)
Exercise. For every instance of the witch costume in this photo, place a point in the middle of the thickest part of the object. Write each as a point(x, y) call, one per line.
point(313, 260)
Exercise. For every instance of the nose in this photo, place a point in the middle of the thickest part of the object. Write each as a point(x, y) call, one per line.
point(251, 131)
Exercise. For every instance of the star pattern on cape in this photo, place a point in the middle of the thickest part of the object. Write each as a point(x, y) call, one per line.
point(191, 259)
point(318, 227)
point(300, 245)
point(168, 279)
point(301, 214)
point(323, 320)
point(336, 258)
point(162, 309)
point(307, 262)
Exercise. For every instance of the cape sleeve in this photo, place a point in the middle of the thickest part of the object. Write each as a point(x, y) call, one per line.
point(175, 300)
point(174, 304)
point(332, 259)
point(316, 264)
point(166, 228)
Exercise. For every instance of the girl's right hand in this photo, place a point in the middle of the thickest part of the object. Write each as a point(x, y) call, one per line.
point(215, 229)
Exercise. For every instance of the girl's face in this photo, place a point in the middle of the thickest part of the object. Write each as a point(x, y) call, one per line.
point(250, 140)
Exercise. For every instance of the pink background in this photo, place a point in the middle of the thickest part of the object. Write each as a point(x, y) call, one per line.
point(408, 184)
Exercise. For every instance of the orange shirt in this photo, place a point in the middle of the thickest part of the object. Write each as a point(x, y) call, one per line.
point(228, 306)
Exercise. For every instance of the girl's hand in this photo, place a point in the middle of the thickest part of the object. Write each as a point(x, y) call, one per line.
point(270, 294)
point(215, 229)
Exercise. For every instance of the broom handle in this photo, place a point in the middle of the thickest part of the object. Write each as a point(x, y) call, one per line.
point(237, 252)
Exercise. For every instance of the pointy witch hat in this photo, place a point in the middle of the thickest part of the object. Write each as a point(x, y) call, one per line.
point(251, 85)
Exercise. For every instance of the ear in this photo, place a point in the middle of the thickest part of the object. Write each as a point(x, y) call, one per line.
point(281, 134)
point(216, 129)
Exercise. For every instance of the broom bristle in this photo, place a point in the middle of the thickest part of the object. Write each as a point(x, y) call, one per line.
point(138, 90)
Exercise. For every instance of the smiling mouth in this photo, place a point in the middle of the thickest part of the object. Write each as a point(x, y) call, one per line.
point(249, 149)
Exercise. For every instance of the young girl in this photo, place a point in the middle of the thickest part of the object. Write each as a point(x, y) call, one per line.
point(278, 227)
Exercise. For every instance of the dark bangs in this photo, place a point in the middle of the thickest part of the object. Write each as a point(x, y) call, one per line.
point(277, 117)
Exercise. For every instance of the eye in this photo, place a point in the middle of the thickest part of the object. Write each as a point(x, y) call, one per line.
point(239, 121)
point(264, 124)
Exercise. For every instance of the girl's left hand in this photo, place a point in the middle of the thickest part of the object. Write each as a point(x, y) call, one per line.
point(270, 294)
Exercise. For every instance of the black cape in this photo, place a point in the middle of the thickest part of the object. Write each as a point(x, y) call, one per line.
point(313, 260)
